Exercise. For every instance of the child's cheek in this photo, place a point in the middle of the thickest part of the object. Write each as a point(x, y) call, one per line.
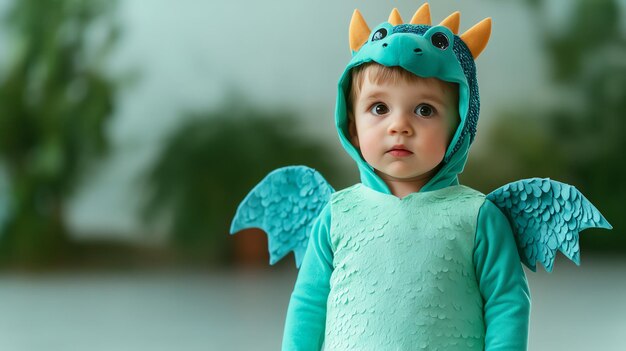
point(436, 143)
point(369, 144)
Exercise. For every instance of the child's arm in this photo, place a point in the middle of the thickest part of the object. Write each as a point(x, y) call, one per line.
point(502, 282)
point(306, 315)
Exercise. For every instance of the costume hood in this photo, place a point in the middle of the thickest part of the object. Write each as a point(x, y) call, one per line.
point(426, 51)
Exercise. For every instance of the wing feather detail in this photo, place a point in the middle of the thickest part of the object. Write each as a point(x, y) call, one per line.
point(284, 205)
point(546, 216)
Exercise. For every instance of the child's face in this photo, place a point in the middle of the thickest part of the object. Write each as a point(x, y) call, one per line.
point(403, 129)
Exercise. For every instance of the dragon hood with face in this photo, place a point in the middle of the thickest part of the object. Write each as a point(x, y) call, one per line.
point(426, 51)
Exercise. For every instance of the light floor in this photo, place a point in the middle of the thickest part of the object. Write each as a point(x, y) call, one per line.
point(574, 308)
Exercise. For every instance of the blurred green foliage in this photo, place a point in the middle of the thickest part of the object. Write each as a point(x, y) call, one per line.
point(55, 100)
point(210, 163)
point(579, 140)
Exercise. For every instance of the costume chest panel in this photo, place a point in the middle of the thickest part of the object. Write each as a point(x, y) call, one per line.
point(404, 269)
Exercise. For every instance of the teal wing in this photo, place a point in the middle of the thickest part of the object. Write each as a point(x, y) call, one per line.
point(546, 216)
point(284, 205)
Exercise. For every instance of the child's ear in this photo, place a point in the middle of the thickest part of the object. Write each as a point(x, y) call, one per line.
point(354, 138)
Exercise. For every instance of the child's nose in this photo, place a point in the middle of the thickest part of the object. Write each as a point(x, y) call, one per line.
point(400, 124)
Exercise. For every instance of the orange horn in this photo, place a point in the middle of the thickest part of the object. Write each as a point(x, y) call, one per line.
point(422, 15)
point(359, 31)
point(476, 38)
point(452, 22)
point(394, 17)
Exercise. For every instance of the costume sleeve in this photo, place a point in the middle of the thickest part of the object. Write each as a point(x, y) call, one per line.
point(306, 315)
point(502, 282)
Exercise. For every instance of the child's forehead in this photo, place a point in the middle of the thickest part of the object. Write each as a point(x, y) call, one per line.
point(381, 79)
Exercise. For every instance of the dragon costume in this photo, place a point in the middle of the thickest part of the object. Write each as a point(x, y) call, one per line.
point(436, 270)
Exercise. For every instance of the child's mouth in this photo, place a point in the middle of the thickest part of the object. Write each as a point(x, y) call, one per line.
point(399, 151)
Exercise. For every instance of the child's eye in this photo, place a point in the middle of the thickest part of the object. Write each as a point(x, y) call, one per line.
point(379, 109)
point(424, 110)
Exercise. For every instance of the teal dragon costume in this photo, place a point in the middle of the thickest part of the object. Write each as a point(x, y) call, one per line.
point(436, 270)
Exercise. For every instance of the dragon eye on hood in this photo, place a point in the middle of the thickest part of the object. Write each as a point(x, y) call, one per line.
point(440, 40)
point(379, 34)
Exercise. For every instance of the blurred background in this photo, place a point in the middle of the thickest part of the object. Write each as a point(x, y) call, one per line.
point(131, 130)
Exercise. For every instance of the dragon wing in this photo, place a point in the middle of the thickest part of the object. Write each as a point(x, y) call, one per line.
point(546, 215)
point(284, 205)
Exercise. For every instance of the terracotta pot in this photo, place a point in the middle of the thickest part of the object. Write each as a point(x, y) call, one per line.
point(251, 248)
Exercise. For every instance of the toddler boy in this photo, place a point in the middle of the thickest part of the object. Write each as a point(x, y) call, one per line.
point(408, 259)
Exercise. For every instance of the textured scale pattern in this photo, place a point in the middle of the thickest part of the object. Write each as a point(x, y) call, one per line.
point(284, 205)
point(546, 216)
point(466, 60)
point(403, 276)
